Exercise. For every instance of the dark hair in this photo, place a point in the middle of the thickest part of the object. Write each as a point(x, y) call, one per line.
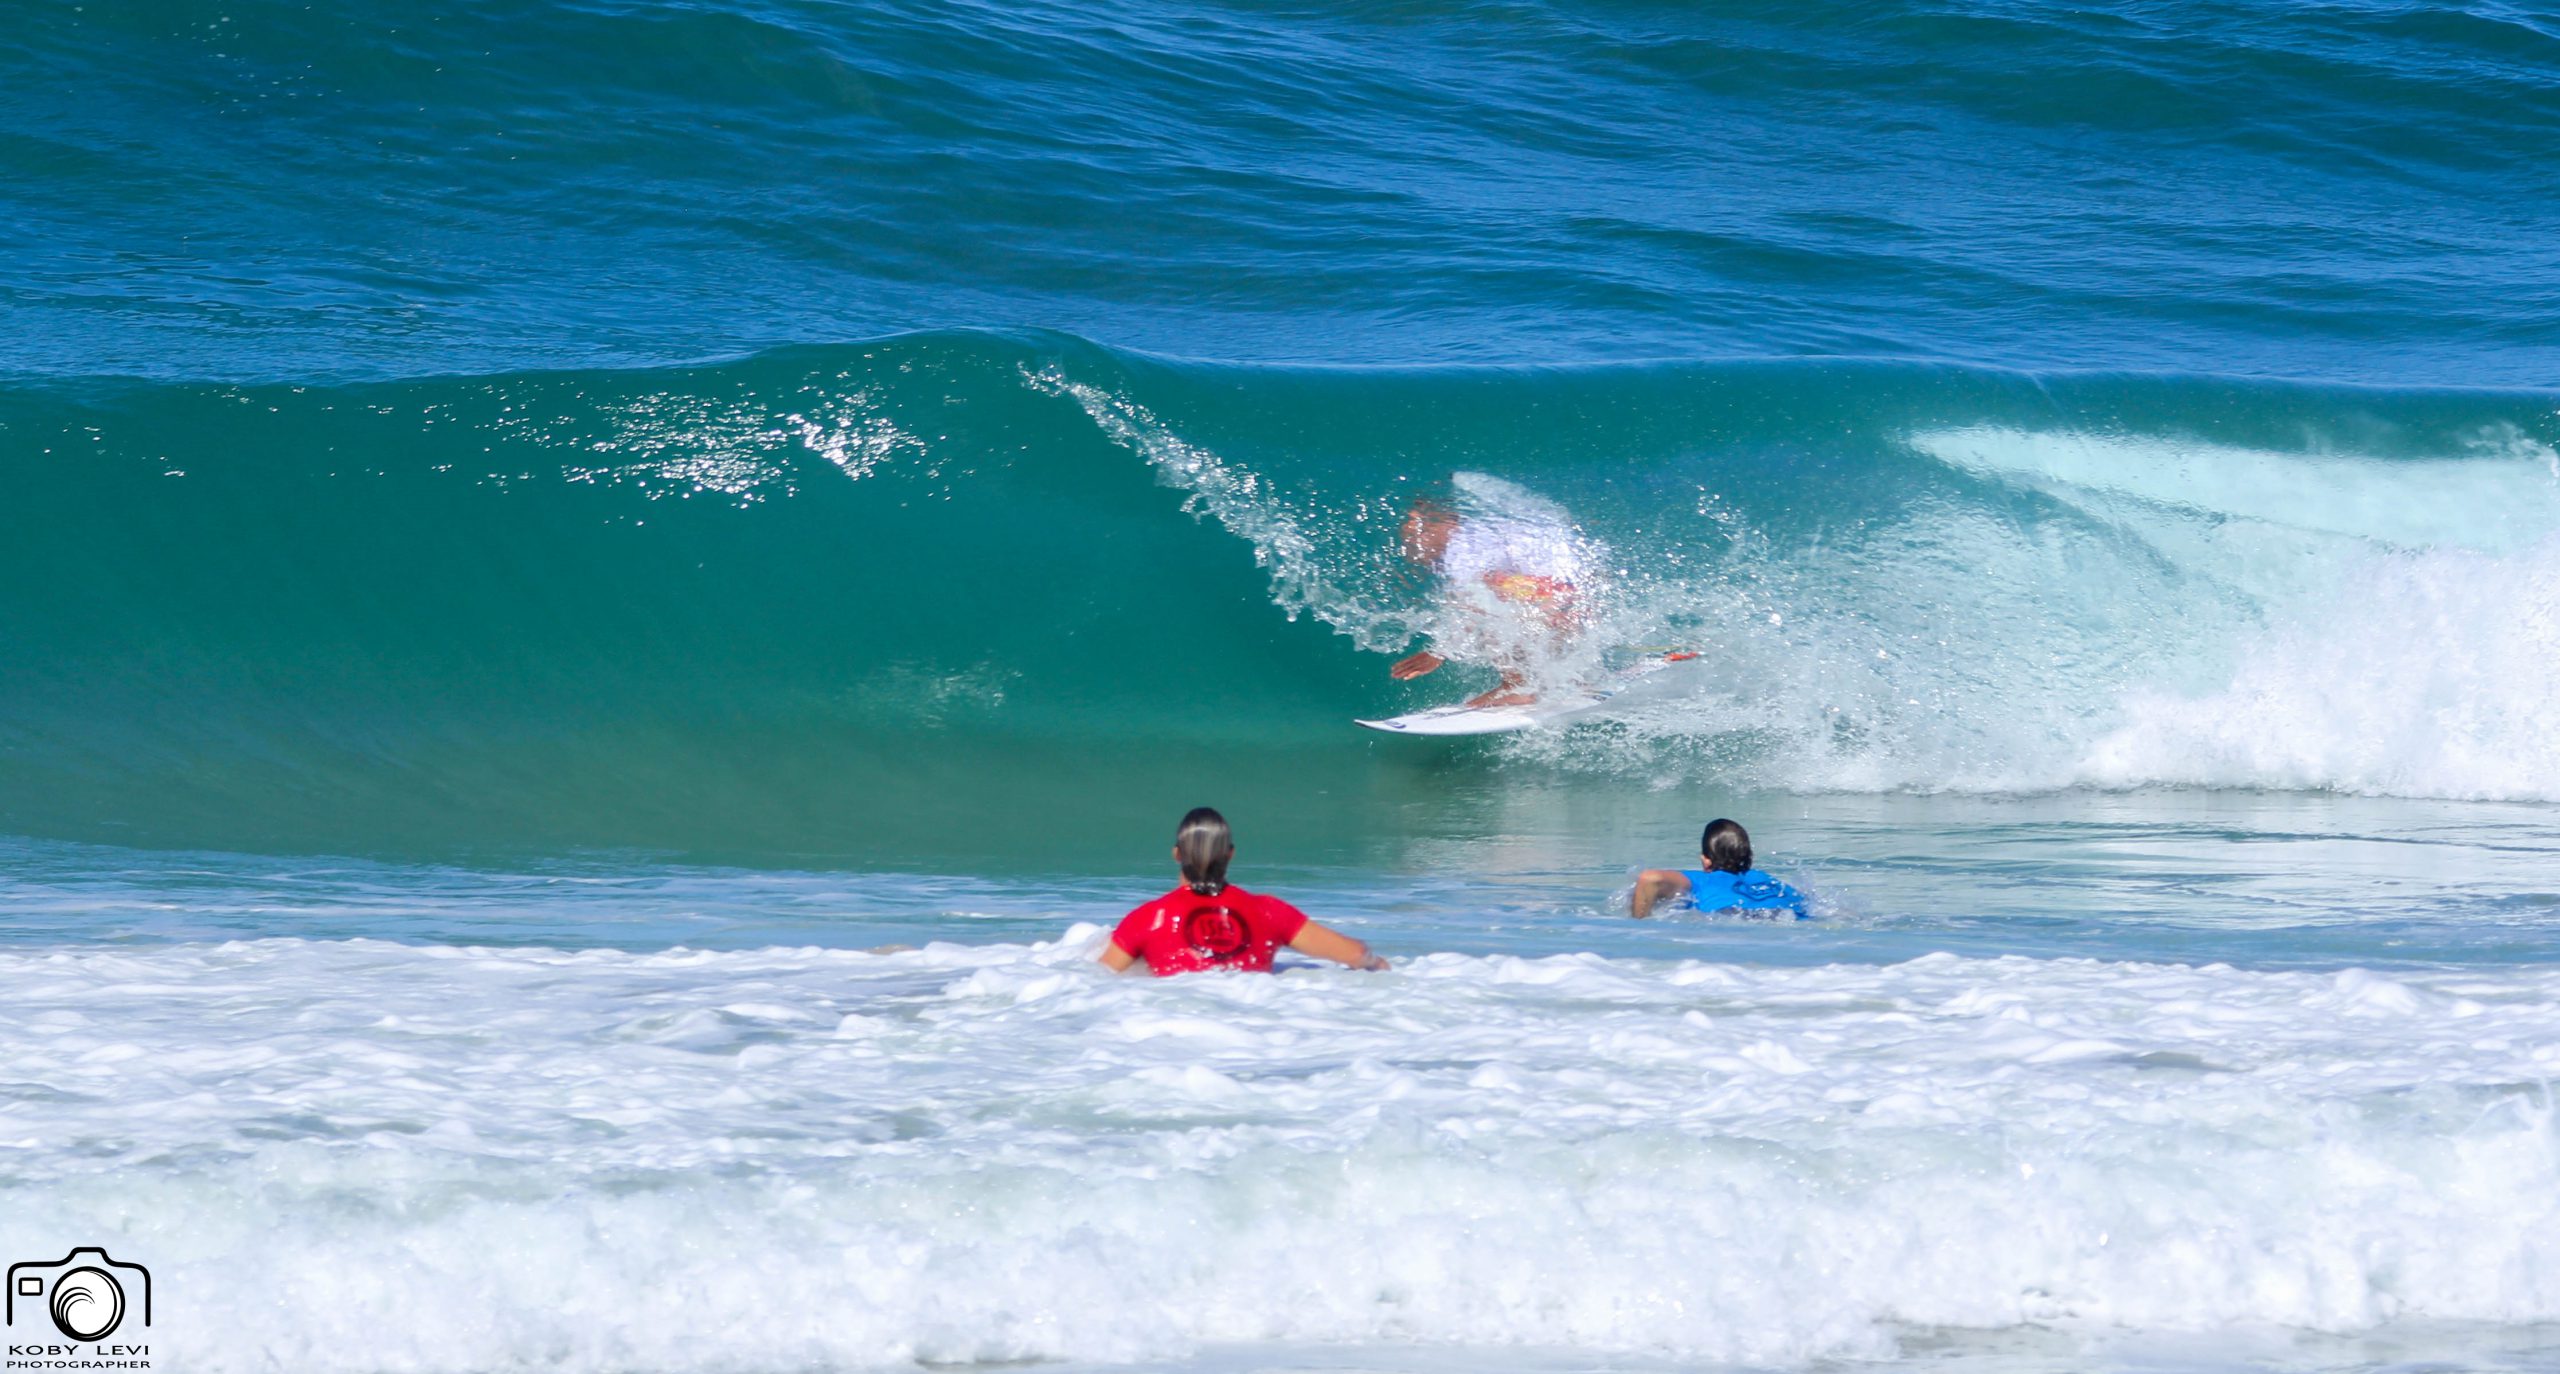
point(1726, 847)
point(1202, 844)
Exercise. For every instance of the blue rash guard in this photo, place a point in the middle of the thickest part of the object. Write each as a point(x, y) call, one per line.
point(1752, 891)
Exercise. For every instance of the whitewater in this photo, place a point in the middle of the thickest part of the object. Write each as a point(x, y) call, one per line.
point(602, 603)
point(2023, 1095)
point(487, 1156)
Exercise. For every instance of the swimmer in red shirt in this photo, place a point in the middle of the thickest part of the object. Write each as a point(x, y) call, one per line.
point(1209, 923)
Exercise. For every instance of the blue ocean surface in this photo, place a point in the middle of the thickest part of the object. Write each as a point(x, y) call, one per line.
point(601, 605)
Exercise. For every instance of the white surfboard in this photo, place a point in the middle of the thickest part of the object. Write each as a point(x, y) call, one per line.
point(1555, 709)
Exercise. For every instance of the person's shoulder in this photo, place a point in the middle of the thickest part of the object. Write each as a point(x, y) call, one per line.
point(1764, 886)
point(1154, 906)
point(1264, 902)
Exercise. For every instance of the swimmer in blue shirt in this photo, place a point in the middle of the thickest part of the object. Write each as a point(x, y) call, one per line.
point(1724, 880)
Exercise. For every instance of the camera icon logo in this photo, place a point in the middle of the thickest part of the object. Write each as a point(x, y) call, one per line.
point(87, 1293)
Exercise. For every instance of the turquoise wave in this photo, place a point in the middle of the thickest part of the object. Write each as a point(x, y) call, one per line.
point(832, 600)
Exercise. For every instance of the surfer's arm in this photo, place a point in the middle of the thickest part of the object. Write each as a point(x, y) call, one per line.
point(1333, 944)
point(1415, 666)
point(1115, 958)
point(1653, 885)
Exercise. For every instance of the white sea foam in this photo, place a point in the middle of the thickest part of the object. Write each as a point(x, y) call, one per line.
point(2499, 493)
point(2211, 616)
point(2427, 674)
point(2162, 611)
point(367, 1155)
point(2400, 616)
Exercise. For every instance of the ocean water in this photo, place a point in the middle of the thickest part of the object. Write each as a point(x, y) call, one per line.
point(601, 602)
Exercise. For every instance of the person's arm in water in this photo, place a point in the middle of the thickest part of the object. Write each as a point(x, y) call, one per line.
point(1653, 885)
point(1325, 943)
point(1416, 665)
point(1115, 958)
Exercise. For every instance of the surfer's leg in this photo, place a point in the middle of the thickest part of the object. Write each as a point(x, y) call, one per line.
point(1513, 690)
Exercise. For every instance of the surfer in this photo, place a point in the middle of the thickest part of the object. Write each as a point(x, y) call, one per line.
point(1723, 881)
point(1516, 571)
point(1208, 922)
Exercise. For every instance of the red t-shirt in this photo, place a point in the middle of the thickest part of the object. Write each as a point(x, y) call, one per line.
point(1184, 932)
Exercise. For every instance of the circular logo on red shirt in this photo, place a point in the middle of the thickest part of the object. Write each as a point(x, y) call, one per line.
point(1214, 931)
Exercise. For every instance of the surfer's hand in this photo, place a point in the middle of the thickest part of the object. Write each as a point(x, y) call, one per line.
point(1416, 666)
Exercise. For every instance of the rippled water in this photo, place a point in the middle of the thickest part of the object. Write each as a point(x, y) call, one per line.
point(599, 603)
